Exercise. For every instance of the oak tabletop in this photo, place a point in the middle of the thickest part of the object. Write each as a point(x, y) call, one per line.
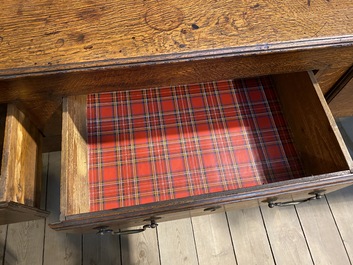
point(37, 36)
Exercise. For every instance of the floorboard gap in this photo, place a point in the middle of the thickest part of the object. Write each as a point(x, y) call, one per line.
point(193, 236)
point(268, 238)
point(3, 257)
point(159, 252)
point(231, 239)
point(306, 240)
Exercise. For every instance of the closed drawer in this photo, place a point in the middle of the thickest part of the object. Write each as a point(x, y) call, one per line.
point(20, 178)
point(294, 152)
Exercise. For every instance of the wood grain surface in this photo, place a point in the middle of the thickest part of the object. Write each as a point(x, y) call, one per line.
point(177, 240)
point(140, 248)
point(194, 206)
point(74, 168)
point(38, 95)
point(249, 236)
point(61, 248)
point(322, 233)
point(40, 111)
point(25, 242)
point(21, 250)
point(20, 171)
point(287, 239)
point(50, 49)
point(42, 36)
point(318, 141)
point(213, 242)
point(342, 104)
point(3, 235)
point(101, 250)
point(327, 77)
point(340, 203)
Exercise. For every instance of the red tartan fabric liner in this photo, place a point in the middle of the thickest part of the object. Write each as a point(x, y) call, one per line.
point(160, 144)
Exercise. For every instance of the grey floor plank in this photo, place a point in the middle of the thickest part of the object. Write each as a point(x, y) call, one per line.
point(213, 241)
point(286, 236)
point(60, 248)
point(101, 249)
point(24, 243)
point(176, 243)
point(340, 203)
point(322, 235)
point(3, 233)
point(269, 236)
point(140, 249)
point(249, 237)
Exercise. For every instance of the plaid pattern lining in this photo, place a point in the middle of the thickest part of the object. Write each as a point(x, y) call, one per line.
point(160, 144)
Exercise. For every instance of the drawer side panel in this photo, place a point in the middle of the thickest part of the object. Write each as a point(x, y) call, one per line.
point(74, 196)
point(20, 172)
point(317, 138)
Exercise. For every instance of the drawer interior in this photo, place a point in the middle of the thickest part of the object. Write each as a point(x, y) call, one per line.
point(161, 144)
point(129, 148)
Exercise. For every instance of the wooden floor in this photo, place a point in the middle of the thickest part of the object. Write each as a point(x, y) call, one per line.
point(319, 232)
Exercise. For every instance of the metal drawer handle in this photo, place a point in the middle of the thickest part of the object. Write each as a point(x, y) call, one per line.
point(290, 203)
point(103, 230)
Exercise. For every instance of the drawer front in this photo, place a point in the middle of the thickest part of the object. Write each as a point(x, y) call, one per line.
point(288, 191)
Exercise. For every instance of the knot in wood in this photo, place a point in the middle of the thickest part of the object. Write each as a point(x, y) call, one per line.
point(163, 17)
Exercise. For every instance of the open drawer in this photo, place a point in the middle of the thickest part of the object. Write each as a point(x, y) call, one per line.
point(20, 176)
point(132, 157)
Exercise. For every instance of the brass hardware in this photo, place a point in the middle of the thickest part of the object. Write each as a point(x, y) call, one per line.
point(272, 204)
point(103, 230)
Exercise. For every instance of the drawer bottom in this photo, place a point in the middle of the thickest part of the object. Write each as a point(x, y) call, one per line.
point(161, 144)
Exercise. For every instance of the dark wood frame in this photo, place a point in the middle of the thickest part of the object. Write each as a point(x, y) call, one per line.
point(194, 206)
point(38, 91)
